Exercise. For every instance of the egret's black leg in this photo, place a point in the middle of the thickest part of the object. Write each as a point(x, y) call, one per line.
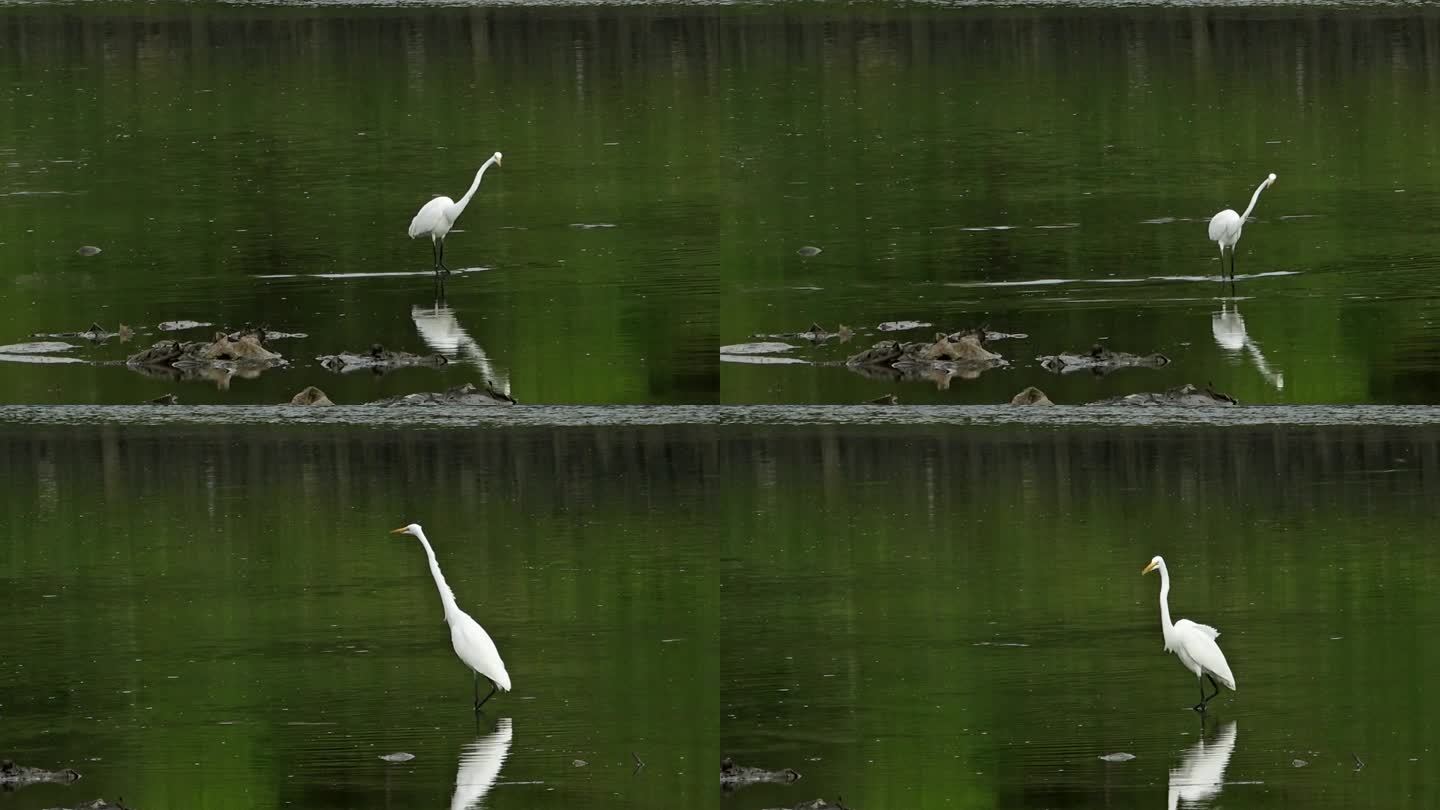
point(434, 257)
point(443, 268)
point(477, 689)
point(1222, 264)
point(481, 702)
point(1232, 262)
point(1200, 707)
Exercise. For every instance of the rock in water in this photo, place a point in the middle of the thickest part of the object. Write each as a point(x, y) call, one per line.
point(733, 776)
point(1031, 396)
point(311, 396)
point(12, 775)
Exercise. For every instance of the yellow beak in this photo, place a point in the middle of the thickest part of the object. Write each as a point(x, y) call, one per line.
point(1151, 567)
point(400, 530)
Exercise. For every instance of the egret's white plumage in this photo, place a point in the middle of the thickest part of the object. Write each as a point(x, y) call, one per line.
point(437, 217)
point(1225, 226)
point(1193, 643)
point(470, 640)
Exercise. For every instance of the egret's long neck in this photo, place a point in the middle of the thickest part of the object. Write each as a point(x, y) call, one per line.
point(1165, 623)
point(447, 596)
point(1243, 216)
point(464, 201)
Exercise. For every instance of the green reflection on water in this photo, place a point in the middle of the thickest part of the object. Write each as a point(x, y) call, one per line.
point(203, 147)
point(934, 152)
point(925, 617)
point(212, 617)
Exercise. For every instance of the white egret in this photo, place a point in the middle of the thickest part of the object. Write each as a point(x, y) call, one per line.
point(471, 642)
point(438, 216)
point(1193, 643)
point(1225, 227)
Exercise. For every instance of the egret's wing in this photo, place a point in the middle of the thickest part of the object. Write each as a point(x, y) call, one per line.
point(475, 648)
point(428, 217)
point(1203, 628)
point(1223, 224)
point(1198, 641)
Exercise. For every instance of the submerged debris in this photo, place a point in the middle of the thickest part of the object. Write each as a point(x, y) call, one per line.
point(1118, 757)
point(817, 804)
point(37, 352)
point(88, 250)
point(379, 359)
point(1298, 763)
point(902, 326)
point(400, 756)
point(1100, 360)
point(888, 399)
point(1031, 396)
point(816, 334)
point(12, 775)
point(180, 326)
point(311, 396)
point(238, 349)
point(37, 347)
point(962, 354)
point(168, 399)
point(809, 250)
point(98, 804)
point(466, 394)
point(758, 347)
point(733, 776)
point(95, 334)
point(239, 354)
point(1185, 396)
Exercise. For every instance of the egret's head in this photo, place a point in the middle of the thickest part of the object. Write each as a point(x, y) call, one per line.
point(1155, 562)
point(496, 157)
point(1269, 180)
point(413, 530)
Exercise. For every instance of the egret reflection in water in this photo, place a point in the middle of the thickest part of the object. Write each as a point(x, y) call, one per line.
point(480, 763)
point(442, 332)
point(1228, 327)
point(1201, 775)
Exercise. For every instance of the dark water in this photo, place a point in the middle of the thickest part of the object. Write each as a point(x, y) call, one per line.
point(208, 617)
point(930, 617)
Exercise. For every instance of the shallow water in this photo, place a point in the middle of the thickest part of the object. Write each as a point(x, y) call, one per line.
point(927, 617)
point(260, 164)
point(1052, 170)
point(216, 616)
